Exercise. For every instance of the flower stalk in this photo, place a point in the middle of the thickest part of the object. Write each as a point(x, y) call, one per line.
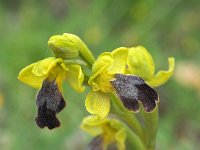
point(128, 117)
point(151, 128)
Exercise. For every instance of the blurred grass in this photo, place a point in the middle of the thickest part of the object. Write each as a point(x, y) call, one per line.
point(165, 28)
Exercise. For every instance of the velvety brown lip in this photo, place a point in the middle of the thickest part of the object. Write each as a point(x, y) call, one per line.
point(49, 101)
point(132, 90)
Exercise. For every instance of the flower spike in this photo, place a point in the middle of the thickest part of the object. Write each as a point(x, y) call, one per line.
point(126, 74)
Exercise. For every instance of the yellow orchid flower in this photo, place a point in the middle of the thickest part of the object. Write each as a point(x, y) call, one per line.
point(47, 75)
point(107, 132)
point(52, 68)
point(98, 100)
point(108, 71)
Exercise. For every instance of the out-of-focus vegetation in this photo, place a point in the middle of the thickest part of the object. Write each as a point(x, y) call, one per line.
point(165, 28)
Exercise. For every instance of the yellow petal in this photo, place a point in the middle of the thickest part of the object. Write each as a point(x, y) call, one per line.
point(120, 138)
point(119, 134)
point(105, 59)
point(28, 77)
point(140, 63)
point(119, 60)
point(75, 77)
point(162, 76)
point(98, 103)
point(93, 125)
point(100, 78)
point(43, 67)
point(34, 74)
point(92, 81)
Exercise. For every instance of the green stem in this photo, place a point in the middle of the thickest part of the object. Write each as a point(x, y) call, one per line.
point(128, 117)
point(133, 141)
point(86, 54)
point(151, 128)
point(85, 67)
point(76, 62)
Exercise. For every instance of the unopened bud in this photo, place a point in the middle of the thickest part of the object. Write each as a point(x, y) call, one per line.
point(68, 46)
point(63, 46)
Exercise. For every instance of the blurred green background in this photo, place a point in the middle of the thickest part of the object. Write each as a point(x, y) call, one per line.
point(166, 28)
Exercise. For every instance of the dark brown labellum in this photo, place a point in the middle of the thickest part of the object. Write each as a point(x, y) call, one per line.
point(49, 101)
point(132, 89)
point(96, 143)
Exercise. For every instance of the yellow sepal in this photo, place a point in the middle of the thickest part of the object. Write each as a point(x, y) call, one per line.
point(75, 77)
point(140, 63)
point(162, 76)
point(119, 57)
point(34, 74)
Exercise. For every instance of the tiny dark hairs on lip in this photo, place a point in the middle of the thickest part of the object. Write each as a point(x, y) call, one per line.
point(49, 101)
point(132, 89)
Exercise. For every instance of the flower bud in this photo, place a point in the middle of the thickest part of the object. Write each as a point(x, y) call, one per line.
point(65, 47)
point(68, 46)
